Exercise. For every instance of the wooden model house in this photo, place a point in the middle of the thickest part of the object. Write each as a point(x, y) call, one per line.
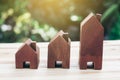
point(28, 55)
point(59, 51)
point(91, 42)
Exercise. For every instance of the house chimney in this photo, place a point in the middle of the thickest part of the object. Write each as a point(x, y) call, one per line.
point(65, 36)
point(98, 16)
point(33, 45)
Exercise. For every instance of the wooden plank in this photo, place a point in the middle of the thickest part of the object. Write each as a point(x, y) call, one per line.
point(110, 70)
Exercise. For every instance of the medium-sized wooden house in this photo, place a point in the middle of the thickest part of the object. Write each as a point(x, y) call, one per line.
point(59, 51)
point(28, 55)
point(91, 42)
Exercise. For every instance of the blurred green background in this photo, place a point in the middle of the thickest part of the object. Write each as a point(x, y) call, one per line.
point(40, 20)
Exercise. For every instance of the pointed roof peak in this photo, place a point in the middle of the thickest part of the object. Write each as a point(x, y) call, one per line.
point(87, 18)
point(91, 15)
point(61, 33)
point(31, 43)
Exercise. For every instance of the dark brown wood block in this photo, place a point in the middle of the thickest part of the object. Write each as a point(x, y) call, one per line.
point(91, 42)
point(59, 51)
point(28, 55)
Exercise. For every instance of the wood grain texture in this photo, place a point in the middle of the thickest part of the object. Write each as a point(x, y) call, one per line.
point(110, 70)
point(91, 37)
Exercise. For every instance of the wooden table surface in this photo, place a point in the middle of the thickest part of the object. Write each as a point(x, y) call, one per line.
point(110, 71)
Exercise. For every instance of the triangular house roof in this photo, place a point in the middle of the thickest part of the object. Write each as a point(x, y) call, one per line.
point(93, 19)
point(29, 44)
point(61, 35)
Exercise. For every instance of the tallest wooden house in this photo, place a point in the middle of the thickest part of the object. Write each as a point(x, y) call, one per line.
point(91, 41)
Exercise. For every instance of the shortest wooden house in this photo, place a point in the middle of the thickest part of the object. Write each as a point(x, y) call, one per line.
point(59, 51)
point(28, 55)
point(91, 42)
